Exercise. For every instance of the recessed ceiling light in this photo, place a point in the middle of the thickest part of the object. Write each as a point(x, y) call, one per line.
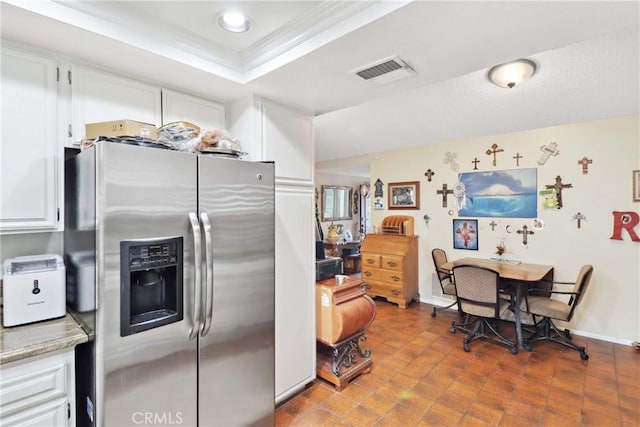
point(512, 73)
point(235, 22)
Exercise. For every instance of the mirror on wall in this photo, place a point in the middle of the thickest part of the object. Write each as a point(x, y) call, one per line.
point(336, 203)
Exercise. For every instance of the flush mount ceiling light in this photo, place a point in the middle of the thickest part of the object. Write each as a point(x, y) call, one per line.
point(512, 73)
point(235, 22)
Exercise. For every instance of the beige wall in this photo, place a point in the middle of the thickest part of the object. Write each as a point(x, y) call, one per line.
point(610, 309)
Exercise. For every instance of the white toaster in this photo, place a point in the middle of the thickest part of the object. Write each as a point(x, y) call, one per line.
point(33, 289)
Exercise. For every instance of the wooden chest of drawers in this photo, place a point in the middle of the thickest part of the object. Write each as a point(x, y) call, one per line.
point(390, 267)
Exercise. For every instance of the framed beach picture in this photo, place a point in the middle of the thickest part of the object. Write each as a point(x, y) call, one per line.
point(465, 234)
point(404, 195)
point(508, 193)
point(636, 186)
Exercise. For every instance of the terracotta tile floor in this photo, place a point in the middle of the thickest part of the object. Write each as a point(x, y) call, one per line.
point(422, 377)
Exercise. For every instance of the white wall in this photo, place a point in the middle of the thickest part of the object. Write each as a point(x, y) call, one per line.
point(610, 309)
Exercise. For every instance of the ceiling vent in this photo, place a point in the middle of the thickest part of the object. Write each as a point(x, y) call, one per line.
point(385, 71)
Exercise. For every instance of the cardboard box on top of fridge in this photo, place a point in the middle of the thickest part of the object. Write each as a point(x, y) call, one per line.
point(121, 128)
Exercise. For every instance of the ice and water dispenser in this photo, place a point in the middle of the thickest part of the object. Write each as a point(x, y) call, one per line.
point(151, 284)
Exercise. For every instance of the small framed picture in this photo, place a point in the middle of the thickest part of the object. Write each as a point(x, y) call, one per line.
point(465, 234)
point(404, 195)
point(636, 186)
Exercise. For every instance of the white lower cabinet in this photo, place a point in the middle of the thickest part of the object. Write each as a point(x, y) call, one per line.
point(39, 391)
point(30, 161)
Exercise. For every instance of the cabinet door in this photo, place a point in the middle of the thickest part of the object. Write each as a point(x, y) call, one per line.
point(50, 414)
point(181, 107)
point(101, 97)
point(288, 140)
point(29, 151)
point(39, 390)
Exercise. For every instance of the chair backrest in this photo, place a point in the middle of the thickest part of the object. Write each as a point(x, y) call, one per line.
point(477, 289)
point(439, 258)
point(582, 283)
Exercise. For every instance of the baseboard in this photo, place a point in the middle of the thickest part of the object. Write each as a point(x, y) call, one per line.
point(441, 302)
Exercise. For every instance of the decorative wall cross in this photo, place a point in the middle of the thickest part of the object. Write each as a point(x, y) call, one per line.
point(585, 165)
point(493, 225)
point(578, 217)
point(517, 157)
point(548, 150)
point(444, 193)
point(493, 150)
point(378, 191)
point(524, 233)
point(429, 173)
point(558, 186)
point(450, 157)
point(475, 162)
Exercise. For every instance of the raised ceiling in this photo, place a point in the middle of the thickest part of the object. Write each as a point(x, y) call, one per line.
point(301, 54)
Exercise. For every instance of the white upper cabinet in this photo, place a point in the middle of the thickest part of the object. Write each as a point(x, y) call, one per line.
point(287, 138)
point(99, 97)
point(178, 107)
point(30, 156)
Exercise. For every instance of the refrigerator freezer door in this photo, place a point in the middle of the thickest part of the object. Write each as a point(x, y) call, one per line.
point(149, 377)
point(236, 384)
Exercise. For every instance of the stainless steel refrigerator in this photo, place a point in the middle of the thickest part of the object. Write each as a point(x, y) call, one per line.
point(171, 272)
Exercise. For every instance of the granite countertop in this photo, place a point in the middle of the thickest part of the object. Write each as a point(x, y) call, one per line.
point(20, 342)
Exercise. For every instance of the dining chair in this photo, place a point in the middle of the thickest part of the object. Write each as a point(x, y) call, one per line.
point(445, 277)
point(546, 308)
point(478, 297)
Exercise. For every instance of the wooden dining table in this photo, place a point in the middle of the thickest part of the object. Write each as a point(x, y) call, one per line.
point(523, 275)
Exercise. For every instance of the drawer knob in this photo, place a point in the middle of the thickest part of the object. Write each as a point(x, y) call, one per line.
point(367, 286)
point(395, 292)
point(367, 273)
point(395, 278)
point(370, 261)
point(392, 263)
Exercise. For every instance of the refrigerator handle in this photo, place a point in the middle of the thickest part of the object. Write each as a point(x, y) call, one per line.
point(197, 263)
point(208, 254)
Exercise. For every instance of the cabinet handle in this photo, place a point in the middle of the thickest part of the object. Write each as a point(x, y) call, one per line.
point(370, 261)
point(367, 273)
point(367, 286)
point(395, 278)
point(395, 292)
point(392, 263)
